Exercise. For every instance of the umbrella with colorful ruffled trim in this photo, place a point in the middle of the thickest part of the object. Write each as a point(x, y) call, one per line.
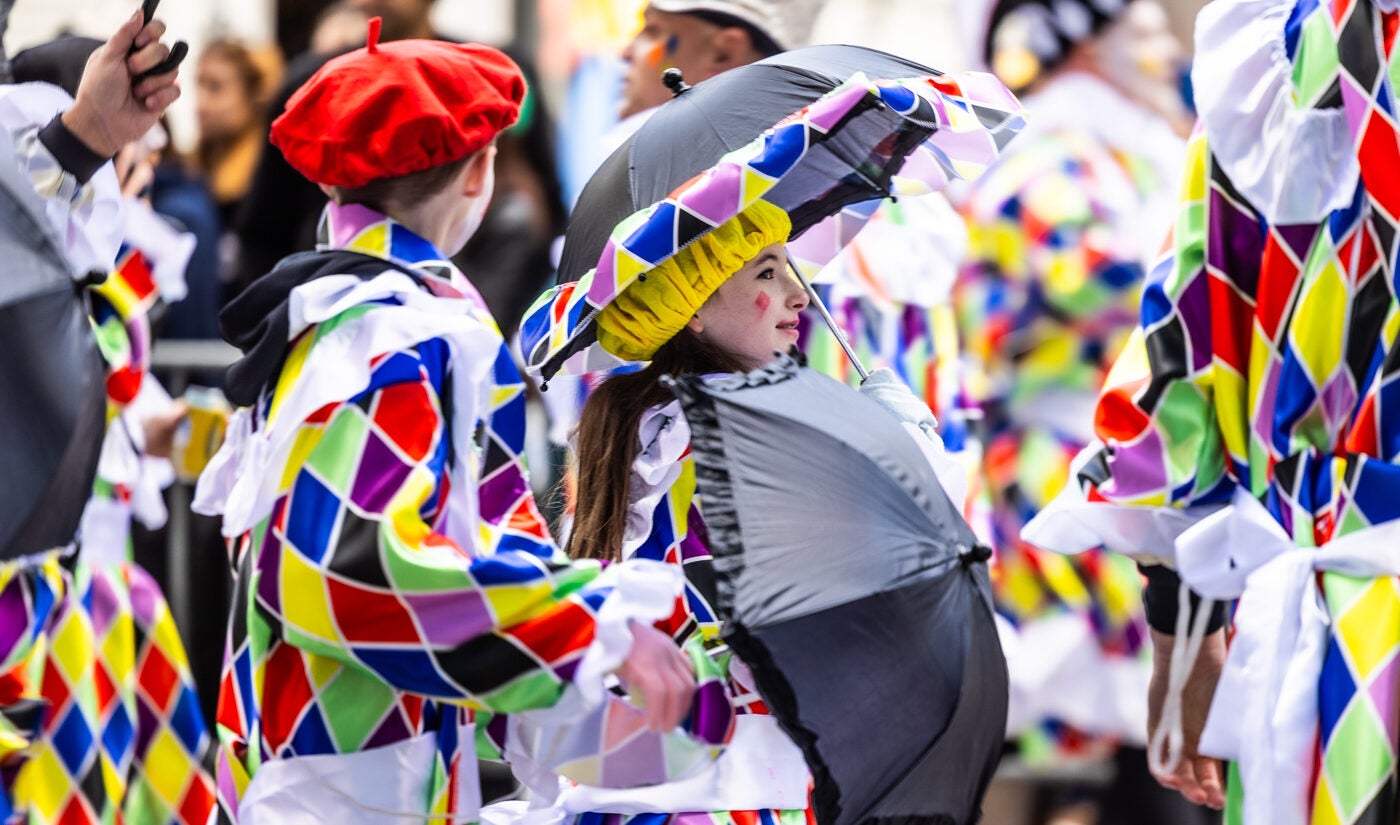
point(862, 141)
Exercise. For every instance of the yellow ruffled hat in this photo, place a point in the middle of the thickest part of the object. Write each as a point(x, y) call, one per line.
point(656, 306)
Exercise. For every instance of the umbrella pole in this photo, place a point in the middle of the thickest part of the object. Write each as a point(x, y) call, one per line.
point(830, 322)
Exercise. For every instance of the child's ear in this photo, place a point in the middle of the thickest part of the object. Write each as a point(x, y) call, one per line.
point(695, 325)
point(478, 172)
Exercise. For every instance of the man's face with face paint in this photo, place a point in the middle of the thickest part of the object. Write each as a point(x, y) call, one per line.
point(667, 40)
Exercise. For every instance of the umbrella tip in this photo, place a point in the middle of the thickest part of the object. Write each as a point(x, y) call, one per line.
point(976, 554)
point(674, 81)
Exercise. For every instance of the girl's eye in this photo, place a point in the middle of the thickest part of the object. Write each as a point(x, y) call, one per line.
point(766, 275)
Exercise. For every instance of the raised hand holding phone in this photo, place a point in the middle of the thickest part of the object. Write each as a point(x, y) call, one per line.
point(126, 86)
point(177, 51)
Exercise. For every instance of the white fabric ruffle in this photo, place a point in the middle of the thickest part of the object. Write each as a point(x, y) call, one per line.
point(90, 223)
point(1295, 165)
point(242, 479)
point(760, 769)
point(379, 786)
point(665, 436)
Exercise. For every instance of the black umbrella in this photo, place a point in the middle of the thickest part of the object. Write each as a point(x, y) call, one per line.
point(853, 589)
point(52, 400)
point(691, 132)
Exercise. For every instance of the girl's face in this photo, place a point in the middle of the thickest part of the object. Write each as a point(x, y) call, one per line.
point(753, 315)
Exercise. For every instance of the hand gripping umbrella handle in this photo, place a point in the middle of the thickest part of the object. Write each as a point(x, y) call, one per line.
point(830, 322)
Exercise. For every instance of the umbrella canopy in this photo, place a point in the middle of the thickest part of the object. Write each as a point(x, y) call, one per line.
point(688, 134)
point(51, 379)
point(863, 140)
point(854, 590)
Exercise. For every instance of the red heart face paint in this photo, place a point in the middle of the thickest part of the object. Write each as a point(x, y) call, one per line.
point(762, 301)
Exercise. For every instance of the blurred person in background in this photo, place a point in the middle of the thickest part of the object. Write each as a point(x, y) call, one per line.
point(230, 95)
point(403, 19)
point(339, 27)
point(1060, 233)
point(180, 195)
point(703, 38)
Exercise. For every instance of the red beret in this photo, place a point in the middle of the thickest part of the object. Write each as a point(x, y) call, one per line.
point(391, 109)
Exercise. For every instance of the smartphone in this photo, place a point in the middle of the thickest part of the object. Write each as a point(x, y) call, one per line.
point(178, 52)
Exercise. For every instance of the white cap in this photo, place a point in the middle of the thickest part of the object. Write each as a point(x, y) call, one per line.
point(787, 22)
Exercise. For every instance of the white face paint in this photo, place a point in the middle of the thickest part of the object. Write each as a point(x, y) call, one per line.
point(1139, 53)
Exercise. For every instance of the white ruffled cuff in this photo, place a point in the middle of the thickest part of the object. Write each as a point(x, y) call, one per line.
point(1295, 165)
point(642, 590)
point(567, 738)
point(1071, 524)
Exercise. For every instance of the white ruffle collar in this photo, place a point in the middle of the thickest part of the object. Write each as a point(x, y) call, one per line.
point(1294, 165)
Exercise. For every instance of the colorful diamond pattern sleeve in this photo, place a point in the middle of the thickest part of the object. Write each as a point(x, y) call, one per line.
point(124, 739)
point(352, 569)
point(1266, 362)
point(28, 592)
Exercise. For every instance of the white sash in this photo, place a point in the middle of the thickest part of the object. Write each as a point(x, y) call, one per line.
point(1264, 715)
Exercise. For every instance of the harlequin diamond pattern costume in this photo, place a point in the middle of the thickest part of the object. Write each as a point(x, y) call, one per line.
point(1249, 432)
point(124, 736)
point(402, 581)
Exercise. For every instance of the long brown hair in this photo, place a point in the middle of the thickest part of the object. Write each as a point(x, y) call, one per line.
point(608, 440)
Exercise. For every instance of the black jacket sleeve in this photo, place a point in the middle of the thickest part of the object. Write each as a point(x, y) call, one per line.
point(1159, 599)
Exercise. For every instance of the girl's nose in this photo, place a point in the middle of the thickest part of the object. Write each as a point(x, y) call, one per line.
point(797, 298)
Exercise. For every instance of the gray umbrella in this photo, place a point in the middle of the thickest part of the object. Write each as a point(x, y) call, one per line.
point(5, 8)
point(52, 401)
point(854, 590)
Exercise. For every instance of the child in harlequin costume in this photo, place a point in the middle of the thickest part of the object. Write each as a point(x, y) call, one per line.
point(1248, 436)
point(396, 585)
point(1059, 233)
point(725, 303)
point(64, 147)
point(123, 736)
